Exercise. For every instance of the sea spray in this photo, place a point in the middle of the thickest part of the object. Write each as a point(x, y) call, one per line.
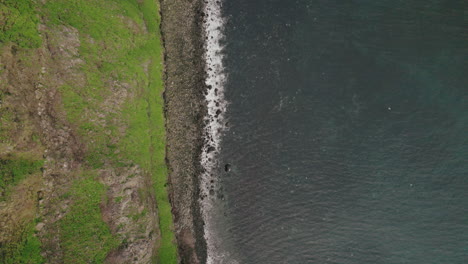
point(214, 121)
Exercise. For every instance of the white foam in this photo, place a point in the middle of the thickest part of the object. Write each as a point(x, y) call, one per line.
point(214, 123)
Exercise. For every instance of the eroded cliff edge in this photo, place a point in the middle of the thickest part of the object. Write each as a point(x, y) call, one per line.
point(185, 108)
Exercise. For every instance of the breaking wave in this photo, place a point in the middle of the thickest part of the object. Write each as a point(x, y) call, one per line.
point(215, 123)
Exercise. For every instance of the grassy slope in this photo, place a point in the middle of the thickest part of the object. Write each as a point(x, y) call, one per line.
point(85, 237)
point(167, 250)
point(111, 49)
point(13, 170)
point(26, 251)
point(18, 25)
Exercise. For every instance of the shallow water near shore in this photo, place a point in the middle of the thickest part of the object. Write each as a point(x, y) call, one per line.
point(347, 133)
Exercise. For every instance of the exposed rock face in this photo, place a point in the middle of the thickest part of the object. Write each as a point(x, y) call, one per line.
point(124, 200)
point(185, 109)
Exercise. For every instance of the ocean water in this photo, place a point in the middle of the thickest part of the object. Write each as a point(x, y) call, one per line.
point(347, 133)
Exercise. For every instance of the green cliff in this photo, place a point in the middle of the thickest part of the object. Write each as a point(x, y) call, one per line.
point(82, 136)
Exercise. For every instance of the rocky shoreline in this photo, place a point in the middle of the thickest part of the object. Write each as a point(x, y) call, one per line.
point(185, 108)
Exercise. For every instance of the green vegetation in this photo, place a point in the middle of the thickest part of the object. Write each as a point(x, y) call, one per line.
point(130, 52)
point(117, 111)
point(22, 246)
point(167, 250)
point(18, 23)
point(12, 171)
point(26, 251)
point(85, 237)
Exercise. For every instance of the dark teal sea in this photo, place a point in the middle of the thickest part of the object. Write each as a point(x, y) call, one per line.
point(348, 132)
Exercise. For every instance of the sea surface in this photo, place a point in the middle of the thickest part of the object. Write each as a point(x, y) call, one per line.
point(346, 136)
